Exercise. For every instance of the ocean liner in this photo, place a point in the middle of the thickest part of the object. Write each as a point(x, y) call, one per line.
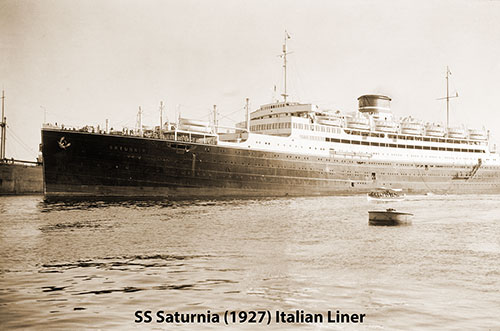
point(282, 149)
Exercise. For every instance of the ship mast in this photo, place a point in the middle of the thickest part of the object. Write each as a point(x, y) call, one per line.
point(448, 73)
point(161, 119)
point(3, 125)
point(139, 121)
point(247, 117)
point(287, 36)
point(216, 124)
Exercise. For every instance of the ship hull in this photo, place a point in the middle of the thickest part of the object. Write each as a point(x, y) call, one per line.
point(388, 218)
point(81, 164)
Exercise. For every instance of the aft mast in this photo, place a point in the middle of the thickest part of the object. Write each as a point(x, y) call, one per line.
point(448, 73)
point(287, 36)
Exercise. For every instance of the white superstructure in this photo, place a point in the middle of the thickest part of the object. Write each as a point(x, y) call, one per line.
point(304, 129)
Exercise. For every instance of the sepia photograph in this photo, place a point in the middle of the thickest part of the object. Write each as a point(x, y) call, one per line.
point(266, 164)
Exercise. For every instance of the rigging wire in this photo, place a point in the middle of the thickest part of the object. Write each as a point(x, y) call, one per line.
point(12, 134)
point(232, 113)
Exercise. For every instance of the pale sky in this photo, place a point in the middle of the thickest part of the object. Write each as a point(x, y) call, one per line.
point(87, 61)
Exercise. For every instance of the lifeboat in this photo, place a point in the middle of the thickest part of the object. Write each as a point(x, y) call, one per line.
point(360, 123)
point(434, 130)
point(188, 121)
point(194, 128)
point(194, 125)
point(332, 121)
point(386, 126)
point(457, 133)
point(411, 128)
point(477, 134)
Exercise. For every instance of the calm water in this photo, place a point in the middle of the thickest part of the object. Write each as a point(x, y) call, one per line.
point(93, 264)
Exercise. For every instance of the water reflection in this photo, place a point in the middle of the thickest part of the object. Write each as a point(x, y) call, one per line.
point(48, 205)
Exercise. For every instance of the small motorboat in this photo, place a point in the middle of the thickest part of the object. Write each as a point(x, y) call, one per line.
point(388, 217)
point(383, 194)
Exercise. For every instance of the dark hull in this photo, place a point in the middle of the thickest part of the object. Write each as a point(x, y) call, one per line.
point(389, 218)
point(16, 179)
point(95, 165)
